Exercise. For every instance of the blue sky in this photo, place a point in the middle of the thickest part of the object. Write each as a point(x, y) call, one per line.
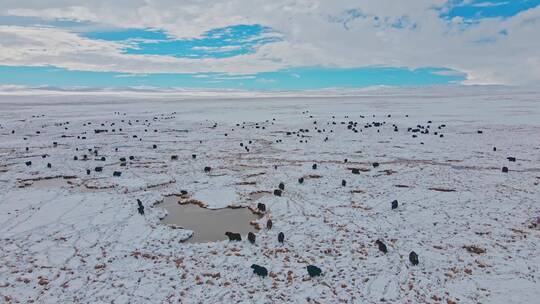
point(291, 79)
point(216, 43)
point(480, 9)
point(296, 47)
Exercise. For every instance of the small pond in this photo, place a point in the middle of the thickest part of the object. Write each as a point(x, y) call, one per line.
point(208, 225)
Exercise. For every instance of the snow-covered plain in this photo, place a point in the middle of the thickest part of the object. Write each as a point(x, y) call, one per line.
point(476, 229)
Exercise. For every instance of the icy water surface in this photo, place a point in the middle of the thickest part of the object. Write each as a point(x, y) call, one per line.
point(208, 225)
point(47, 183)
point(50, 183)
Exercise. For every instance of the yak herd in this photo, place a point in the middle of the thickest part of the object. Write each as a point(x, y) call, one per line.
point(312, 270)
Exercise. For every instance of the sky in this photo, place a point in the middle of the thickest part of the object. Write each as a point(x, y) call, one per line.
point(268, 45)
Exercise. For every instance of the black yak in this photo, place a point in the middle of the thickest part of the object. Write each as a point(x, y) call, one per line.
point(141, 207)
point(313, 271)
point(261, 207)
point(343, 182)
point(505, 169)
point(259, 270)
point(207, 169)
point(251, 237)
point(277, 192)
point(394, 204)
point(269, 224)
point(233, 236)
point(281, 237)
point(301, 180)
point(413, 257)
point(382, 246)
point(281, 186)
point(355, 171)
point(117, 173)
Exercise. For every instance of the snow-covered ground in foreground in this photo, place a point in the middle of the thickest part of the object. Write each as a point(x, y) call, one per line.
point(476, 229)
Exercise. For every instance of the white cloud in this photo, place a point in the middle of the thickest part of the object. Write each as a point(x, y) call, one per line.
point(217, 49)
point(71, 12)
point(308, 37)
point(488, 4)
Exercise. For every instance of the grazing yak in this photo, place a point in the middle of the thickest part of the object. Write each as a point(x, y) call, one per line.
point(269, 224)
point(251, 237)
point(277, 192)
point(382, 246)
point(413, 258)
point(313, 271)
point(281, 237)
point(301, 180)
point(259, 270)
point(117, 173)
point(261, 207)
point(281, 186)
point(343, 182)
point(394, 204)
point(141, 207)
point(505, 169)
point(207, 169)
point(233, 236)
